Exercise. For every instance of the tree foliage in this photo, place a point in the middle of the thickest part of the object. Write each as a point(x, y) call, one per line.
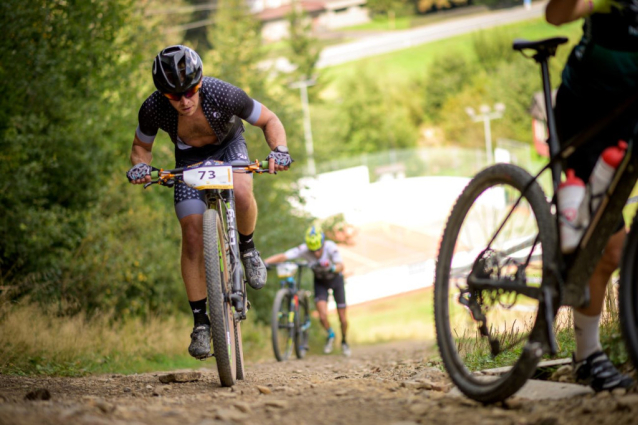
point(305, 49)
point(235, 57)
point(61, 66)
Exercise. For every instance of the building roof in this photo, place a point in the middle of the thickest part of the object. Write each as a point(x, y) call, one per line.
point(273, 14)
point(310, 6)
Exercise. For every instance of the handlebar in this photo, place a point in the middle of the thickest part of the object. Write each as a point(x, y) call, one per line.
point(271, 266)
point(250, 167)
point(168, 177)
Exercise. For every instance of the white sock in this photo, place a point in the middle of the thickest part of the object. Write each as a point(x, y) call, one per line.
point(587, 335)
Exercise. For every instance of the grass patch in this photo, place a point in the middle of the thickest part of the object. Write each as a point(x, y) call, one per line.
point(403, 65)
point(383, 23)
point(33, 342)
point(477, 355)
point(403, 317)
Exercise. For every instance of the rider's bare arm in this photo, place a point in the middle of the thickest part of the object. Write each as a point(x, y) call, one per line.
point(141, 152)
point(339, 267)
point(277, 258)
point(274, 133)
point(560, 12)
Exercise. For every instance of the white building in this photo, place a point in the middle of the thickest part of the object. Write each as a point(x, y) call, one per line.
point(324, 15)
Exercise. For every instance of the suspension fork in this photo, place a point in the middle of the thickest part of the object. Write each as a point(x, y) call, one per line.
point(237, 295)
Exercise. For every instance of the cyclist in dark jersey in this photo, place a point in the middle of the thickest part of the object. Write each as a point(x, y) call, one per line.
point(325, 261)
point(203, 117)
point(601, 72)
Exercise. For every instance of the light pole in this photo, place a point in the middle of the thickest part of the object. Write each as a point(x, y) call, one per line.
point(486, 115)
point(303, 91)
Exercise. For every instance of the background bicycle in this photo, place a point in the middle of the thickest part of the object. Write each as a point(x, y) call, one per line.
point(500, 275)
point(290, 321)
point(225, 283)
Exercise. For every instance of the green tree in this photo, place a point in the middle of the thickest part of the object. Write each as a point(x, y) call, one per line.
point(389, 8)
point(373, 116)
point(447, 75)
point(197, 36)
point(305, 49)
point(235, 57)
point(62, 67)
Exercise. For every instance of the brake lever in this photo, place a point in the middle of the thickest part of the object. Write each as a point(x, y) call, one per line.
point(149, 183)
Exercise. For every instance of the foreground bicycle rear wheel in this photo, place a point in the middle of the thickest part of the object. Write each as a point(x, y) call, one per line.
point(283, 326)
point(481, 327)
point(219, 304)
point(628, 293)
point(302, 325)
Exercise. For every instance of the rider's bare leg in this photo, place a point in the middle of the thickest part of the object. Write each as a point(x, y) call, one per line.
point(246, 210)
point(193, 271)
point(344, 322)
point(586, 320)
point(322, 309)
point(245, 204)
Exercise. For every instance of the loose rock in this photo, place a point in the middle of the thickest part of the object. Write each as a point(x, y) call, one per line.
point(264, 390)
point(180, 377)
point(38, 394)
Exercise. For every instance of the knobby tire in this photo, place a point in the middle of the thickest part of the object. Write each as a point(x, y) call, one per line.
point(239, 348)
point(281, 308)
point(628, 293)
point(219, 306)
point(301, 316)
point(510, 382)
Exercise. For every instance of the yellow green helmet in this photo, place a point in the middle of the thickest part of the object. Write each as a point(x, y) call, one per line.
point(314, 238)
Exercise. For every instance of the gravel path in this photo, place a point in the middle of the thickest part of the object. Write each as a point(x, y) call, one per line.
point(387, 384)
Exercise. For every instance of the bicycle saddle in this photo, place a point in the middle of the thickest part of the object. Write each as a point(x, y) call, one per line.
point(547, 45)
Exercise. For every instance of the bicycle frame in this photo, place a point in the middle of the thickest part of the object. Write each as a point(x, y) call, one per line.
point(576, 269)
point(223, 201)
point(569, 283)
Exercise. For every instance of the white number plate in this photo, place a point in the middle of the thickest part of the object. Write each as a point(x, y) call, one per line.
point(209, 177)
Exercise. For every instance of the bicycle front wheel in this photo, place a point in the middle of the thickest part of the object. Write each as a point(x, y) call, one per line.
point(283, 325)
point(483, 320)
point(239, 349)
point(302, 325)
point(219, 305)
point(628, 293)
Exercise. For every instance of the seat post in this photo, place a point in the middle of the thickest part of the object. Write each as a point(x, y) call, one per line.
point(552, 141)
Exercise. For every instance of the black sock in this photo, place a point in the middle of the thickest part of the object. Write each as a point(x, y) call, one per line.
point(343, 340)
point(246, 242)
point(199, 312)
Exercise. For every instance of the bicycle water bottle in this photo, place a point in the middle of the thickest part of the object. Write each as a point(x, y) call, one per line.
point(571, 193)
point(604, 171)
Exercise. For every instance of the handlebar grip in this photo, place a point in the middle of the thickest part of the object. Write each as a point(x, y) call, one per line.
point(154, 174)
point(264, 164)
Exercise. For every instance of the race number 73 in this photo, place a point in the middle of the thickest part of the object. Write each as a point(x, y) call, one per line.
point(209, 177)
point(211, 174)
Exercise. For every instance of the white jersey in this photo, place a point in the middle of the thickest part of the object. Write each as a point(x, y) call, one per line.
point(330, 253)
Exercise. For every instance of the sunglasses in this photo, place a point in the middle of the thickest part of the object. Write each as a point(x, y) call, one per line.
point(187, 94)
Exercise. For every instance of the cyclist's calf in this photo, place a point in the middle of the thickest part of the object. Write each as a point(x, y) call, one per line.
point(606, 266)
point(613, 253)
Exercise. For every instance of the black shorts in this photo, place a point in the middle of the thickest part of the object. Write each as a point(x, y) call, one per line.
point(191, 201)
point(575, 113)
point(338, 290)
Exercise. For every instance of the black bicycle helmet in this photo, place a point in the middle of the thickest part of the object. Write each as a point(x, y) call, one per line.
point(177, 69)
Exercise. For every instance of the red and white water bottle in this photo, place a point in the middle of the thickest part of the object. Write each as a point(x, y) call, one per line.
point(571, 194)
point(604, 171)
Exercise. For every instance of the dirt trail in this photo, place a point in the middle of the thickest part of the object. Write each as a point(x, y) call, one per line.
point(377, 385)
